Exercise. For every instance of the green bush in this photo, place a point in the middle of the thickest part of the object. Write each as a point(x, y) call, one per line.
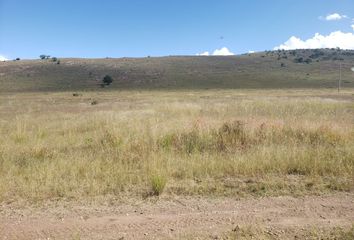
point(107, 80)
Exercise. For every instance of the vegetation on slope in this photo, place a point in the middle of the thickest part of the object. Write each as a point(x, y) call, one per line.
point(271, 69)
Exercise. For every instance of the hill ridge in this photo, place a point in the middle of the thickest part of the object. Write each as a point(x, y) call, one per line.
point(317, 68)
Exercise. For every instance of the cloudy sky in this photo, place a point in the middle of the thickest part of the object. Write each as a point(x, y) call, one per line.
point(138, 28)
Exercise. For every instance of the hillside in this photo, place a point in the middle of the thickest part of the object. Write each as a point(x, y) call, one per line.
point(271, 69)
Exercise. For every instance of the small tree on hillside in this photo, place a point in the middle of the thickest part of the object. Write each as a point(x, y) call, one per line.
point(42, 56)
point(107, 80)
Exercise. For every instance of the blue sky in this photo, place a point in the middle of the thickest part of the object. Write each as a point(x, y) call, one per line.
point(138, 28)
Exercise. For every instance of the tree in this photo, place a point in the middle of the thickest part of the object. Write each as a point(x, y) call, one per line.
point(54, 59)
point(42, 56)
point(107, 80)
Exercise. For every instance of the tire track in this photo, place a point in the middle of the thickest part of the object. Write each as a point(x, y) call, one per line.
point(167, 219)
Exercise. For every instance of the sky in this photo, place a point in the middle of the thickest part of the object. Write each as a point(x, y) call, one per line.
point(140, 28)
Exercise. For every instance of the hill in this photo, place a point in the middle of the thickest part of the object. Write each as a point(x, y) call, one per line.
point(317, 68)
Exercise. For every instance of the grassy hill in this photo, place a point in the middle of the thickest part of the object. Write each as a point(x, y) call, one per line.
point(272, 69)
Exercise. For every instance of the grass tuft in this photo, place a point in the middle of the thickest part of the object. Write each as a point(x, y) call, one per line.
point(158, 183)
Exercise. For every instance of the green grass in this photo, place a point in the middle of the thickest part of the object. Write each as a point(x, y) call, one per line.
point(208, 143)
point(253, 71)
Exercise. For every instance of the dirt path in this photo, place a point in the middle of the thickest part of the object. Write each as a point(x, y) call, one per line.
point(178, 218)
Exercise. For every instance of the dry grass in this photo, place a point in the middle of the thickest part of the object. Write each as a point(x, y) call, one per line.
point(241, 143)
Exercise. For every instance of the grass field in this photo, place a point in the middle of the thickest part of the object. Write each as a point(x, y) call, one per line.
point(258, 146)
point(116, 144)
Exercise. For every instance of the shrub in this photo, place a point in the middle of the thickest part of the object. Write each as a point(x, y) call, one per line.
point(54, 59)
point(107, 80)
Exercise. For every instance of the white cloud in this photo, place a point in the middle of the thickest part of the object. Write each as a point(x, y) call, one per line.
point(333, 40)
point(352, 26)
point(223, 52)
point(203, 54)
point(335, 17)
point(3, 58)
point(251, 51)
point(218, 52)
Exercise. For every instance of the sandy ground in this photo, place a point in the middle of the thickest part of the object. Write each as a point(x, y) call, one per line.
point(179, 218)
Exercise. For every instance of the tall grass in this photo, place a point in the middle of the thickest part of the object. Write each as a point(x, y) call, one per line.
point(259, 145)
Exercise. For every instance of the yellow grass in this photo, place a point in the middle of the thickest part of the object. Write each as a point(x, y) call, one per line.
point(234, 143)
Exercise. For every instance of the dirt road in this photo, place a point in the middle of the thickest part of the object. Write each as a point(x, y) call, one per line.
point(280, 217)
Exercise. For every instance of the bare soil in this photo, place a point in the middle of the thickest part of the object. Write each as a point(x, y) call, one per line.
point(196, 218)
